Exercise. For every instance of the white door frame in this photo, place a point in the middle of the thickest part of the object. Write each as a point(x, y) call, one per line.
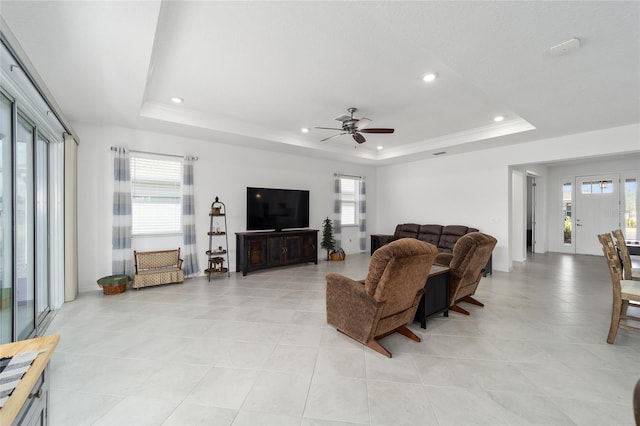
point(518, 216)
point(596, 212)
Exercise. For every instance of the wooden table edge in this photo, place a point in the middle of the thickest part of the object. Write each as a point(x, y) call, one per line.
point(20, 394)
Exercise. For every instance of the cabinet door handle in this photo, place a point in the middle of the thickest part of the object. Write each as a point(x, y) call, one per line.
point(36, 395)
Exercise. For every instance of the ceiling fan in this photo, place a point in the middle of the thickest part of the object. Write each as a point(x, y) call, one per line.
point(354, 127)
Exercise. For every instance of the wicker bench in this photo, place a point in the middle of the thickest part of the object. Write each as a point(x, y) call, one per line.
point(157, 267)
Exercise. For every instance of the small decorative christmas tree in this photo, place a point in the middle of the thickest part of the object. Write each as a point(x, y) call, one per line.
point(328, 242)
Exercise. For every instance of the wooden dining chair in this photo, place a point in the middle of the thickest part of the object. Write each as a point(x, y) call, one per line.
point(628, 271)
point(624, 291)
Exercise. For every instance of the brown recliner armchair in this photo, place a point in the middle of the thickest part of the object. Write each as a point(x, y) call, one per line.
point(387, 300)
point(467, 262)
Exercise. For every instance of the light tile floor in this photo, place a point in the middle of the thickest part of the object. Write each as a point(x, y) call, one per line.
point(256, 350)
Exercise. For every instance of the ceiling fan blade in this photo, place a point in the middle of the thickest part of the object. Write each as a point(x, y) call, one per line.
point(377, 130)
point(326, 139)
point(327, 128)
point(359, 138)
point(362, 123)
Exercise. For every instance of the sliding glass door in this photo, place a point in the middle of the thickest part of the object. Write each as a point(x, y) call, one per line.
point(31, 206)
point(6, 223)
point(25, 210)
point(42, 226)
point(24, 230)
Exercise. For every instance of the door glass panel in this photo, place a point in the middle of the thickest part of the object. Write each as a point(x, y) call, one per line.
point(42, 227)
point(597, 187)
point(6, 213)
point(630, 209)
point(24, 230)
point(566, 212)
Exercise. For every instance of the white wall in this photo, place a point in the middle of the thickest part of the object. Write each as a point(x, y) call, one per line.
point(222, 170)
point(473, 189)
point(465, 189)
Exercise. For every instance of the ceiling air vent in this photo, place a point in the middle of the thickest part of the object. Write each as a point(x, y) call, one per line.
point(565, 48)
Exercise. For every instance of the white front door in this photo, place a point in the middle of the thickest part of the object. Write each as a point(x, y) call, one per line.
point(597, 210)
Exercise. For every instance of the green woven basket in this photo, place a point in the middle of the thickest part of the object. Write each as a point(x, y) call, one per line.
point(114, 284)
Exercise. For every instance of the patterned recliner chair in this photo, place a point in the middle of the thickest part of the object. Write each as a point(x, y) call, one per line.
point(386, 301)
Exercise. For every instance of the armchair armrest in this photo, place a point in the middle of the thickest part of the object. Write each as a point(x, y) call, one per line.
point(180, 263)
point(349, 307)
point(346, 287)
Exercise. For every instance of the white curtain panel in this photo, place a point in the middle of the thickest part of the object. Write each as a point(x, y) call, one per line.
point(189, 256)
point(362, 212)
point(122, 256)
point(70, 218)
point(337, 211)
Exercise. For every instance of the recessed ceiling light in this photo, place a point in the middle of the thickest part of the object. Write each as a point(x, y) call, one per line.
point(380, 147)
point(177, 100)
point(305, 130)
point(429, 77)
point(498, 118)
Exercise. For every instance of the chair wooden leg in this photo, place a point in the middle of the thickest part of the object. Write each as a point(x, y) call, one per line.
point(376, 346)
point(615, 321)
point(471, 300)
point(408, 333)
point(458, 309)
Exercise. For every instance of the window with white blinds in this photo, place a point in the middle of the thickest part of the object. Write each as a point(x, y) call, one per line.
point(349, 189)
point(156, 196)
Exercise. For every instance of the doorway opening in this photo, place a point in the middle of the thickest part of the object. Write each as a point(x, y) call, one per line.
point(531, 213)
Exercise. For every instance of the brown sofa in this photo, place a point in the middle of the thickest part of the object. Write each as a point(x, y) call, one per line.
point(444, 237)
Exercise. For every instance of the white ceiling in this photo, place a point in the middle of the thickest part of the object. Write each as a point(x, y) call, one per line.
point(255, 73)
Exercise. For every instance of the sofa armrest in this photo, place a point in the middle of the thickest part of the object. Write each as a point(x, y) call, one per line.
point(443, 259)
point(379, 240)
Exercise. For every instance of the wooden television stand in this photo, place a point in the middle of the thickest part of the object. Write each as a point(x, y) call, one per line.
point(263, 250)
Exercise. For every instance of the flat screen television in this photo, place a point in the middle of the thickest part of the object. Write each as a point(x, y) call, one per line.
point(278, 209)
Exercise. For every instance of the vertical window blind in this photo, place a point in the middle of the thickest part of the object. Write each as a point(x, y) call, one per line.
point(156, 196)
point(349, 200)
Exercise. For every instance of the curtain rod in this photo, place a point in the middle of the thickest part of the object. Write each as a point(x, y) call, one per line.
point(351, 176)
point(114, 148)
point(9, 40)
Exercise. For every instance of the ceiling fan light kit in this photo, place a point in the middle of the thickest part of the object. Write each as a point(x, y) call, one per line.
point(355, 127)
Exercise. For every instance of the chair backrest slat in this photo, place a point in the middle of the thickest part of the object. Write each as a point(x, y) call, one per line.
point(625, 257)
point(611, 256)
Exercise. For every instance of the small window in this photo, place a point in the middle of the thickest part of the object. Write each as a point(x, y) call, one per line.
point(156, 196)
point(597, 187)
point(349, 190)
point(630, 210)
point(567, 190)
